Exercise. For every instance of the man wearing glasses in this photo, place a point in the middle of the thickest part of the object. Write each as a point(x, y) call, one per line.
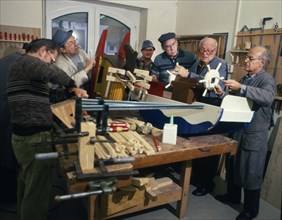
point(32, 121)
point(171, 58)
point(247, 166)
point(145, 61)
point(72, 59)
point(206, 56)
point(204, 169)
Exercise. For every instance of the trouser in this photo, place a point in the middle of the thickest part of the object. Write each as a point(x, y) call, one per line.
point(204, 170)
point(251, 197)
point(34, 178)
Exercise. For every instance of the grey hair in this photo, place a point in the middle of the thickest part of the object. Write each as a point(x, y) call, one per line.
point(265, 55)
point(214, 42)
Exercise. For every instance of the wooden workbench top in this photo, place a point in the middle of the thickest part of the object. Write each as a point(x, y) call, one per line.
point(186, 149)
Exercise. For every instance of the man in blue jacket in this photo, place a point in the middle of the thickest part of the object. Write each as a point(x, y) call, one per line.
point(171, 57)
point(204, 169)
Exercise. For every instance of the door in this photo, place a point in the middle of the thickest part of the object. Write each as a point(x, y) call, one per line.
point(88, 20)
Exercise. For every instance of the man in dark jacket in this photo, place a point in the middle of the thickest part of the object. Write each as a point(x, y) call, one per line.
point(204, 169)
point(31, 118)
point(171, 57)
point(246, 168)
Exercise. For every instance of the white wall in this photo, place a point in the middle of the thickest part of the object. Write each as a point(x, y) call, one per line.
point(24, 13)
point(207, 17)
point(183, 17)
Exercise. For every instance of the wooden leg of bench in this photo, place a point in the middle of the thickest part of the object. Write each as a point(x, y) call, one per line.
point(184, 183)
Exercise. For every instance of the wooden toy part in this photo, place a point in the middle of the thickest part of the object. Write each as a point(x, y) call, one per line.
point(211, 79)
point(171, 78)
point(85, 148)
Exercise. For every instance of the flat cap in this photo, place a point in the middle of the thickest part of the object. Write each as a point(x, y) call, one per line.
point(146, 44)
point(164, 37)
point(61, 37)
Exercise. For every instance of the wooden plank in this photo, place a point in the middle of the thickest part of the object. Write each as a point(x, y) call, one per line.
point(85, 148)
point(272, 179)
point(121, 200)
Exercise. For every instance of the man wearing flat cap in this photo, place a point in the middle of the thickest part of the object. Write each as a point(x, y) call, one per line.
point(145, 61)
point(72, 59)
point(172, 59)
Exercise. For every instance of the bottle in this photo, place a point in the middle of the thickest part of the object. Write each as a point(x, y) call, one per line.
point(170, 132)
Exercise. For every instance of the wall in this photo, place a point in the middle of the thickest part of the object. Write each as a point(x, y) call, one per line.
point(184, 17)
point(206, 17)
point(26, 13)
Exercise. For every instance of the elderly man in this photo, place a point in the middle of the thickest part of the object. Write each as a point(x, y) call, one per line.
point(246, 168)
point(145, 61)
point(204, 169)
point(206, 56)
point(170, 58)
point(72, 59)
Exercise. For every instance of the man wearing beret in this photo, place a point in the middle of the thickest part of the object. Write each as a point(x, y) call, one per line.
point(72, 59)
point(145, 61)
point(170, 59)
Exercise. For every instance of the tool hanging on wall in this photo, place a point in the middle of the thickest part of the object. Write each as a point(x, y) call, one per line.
point(262, 28)
point(244, 28)
point(275, 31)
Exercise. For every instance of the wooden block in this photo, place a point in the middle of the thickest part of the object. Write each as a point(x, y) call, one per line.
point(140, 181)
point(116, 70)
point(150, 194)
point(128, 188)
point(120, 201)
point(163, 182)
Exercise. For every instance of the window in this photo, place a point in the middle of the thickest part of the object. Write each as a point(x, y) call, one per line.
point(116, 33)
point(78, 22)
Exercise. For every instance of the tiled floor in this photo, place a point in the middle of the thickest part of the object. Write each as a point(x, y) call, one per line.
point(205, 207)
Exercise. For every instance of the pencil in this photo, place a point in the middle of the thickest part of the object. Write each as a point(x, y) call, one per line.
point(157, 143)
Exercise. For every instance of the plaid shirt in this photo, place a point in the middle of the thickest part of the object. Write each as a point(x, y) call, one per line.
point(140, 64)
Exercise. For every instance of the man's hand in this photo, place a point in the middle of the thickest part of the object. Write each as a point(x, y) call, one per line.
point(180, 71)
point(232, 84)
point(80, 92)
point(154, 78)
point(89, 64)
point(218, 90)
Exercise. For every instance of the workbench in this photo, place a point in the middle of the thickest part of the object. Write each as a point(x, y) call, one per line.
point(183, 152)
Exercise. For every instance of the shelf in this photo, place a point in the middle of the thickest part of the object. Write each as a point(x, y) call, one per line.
point(15, 41)
point(238, 51)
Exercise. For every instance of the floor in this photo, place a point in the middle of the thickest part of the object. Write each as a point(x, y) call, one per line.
point(205, 207)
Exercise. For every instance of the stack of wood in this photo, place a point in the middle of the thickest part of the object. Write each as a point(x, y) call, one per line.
point(126, 144)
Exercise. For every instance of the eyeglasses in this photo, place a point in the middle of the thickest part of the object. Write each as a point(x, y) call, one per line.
point(207, 51)
point(250, 58)
point(52, 58)
point(174, 44)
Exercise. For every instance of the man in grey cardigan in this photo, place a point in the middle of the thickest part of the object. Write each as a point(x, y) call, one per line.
point(246, 168)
